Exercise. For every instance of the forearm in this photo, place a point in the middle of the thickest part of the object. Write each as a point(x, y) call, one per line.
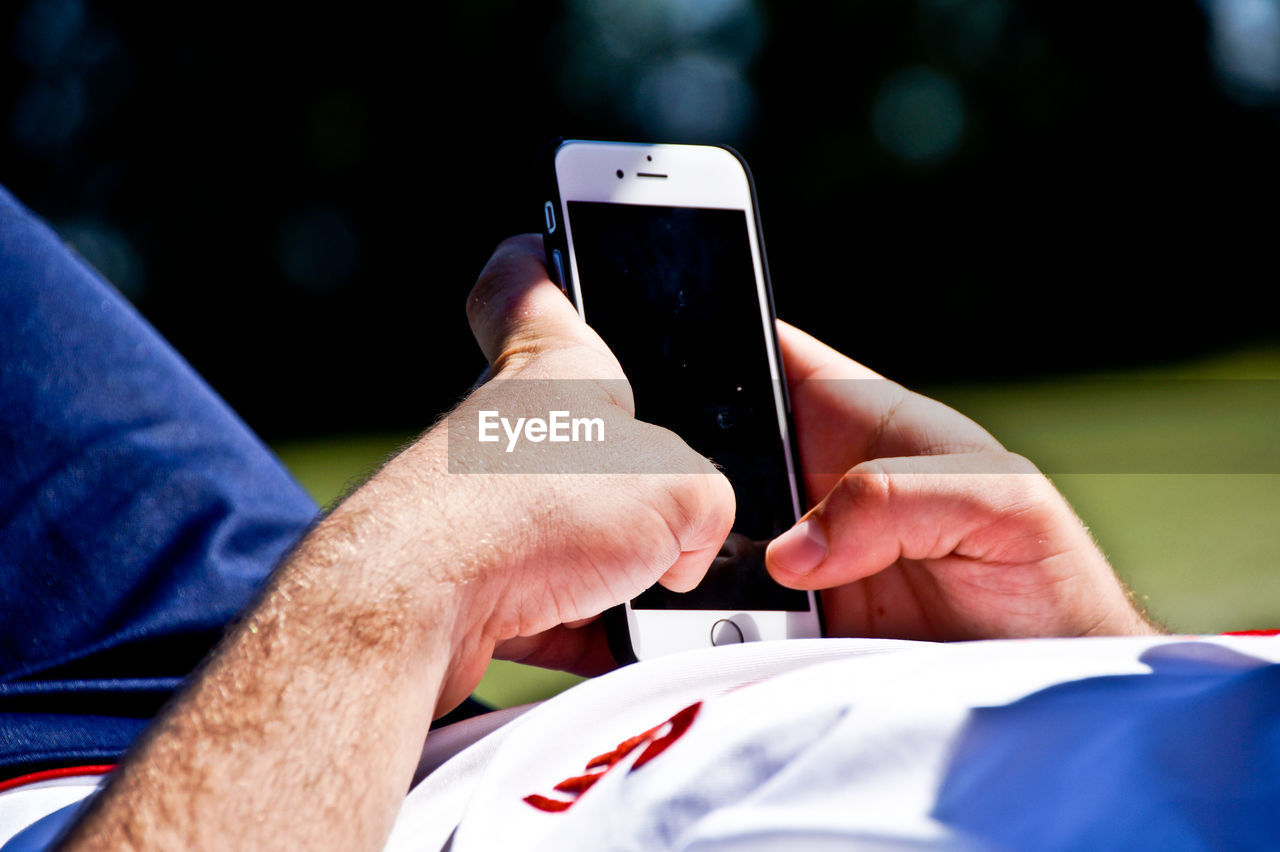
point(302, 731)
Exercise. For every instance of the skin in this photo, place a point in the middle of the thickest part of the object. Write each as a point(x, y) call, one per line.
point(303, 728)
point(924, 526)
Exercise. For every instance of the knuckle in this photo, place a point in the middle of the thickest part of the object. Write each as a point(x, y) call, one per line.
point(669, 447)
point(869, 483)
point(701, 496)
point(706, 504)
point(1032, 486)
point(1015, 463)
point(721, 495)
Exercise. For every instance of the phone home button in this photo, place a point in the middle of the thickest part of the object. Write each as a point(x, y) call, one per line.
point(725, 632)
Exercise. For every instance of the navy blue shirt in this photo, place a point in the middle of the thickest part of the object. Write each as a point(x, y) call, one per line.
point(138, 514)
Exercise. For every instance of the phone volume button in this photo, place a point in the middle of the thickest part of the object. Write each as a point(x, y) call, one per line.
point(550, 211)
point(557, 269)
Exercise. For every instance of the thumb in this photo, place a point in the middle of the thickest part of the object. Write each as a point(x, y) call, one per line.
point(516, 312)
point(920, 507)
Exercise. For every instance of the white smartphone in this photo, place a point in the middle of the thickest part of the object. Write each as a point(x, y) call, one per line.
point(659, 247)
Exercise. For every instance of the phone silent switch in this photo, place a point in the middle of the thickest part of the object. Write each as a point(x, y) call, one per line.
point(725, 632)
point(557, 268)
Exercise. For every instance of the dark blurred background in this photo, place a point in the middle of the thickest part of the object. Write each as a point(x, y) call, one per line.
point(951, 189)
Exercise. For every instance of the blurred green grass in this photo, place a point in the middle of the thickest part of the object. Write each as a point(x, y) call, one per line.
point(1197, 545)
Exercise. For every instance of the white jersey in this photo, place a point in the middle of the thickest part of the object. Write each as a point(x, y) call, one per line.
point(835, 744)
point(1163, 742)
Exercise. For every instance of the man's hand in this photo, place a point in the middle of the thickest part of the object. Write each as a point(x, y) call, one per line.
point(303, 728)
point(570, 545)
point(925, 527)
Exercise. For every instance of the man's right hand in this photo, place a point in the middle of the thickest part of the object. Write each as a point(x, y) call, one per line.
point(924, 526)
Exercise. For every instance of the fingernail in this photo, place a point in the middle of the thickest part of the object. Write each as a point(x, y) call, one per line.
point(800, 549)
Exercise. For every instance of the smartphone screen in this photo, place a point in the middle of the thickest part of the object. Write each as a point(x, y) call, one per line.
point(673, 292)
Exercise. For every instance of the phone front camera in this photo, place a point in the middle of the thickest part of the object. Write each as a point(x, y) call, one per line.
point(619, 174)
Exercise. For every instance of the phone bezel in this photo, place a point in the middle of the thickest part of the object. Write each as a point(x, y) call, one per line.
point(690, 176)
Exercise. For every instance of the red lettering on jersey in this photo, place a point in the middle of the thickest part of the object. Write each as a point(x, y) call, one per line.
point(655, 745)
point(542, 803)
point(679, 724)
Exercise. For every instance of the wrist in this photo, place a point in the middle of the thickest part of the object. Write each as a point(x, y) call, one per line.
point(345, 653)
point(404, 561)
